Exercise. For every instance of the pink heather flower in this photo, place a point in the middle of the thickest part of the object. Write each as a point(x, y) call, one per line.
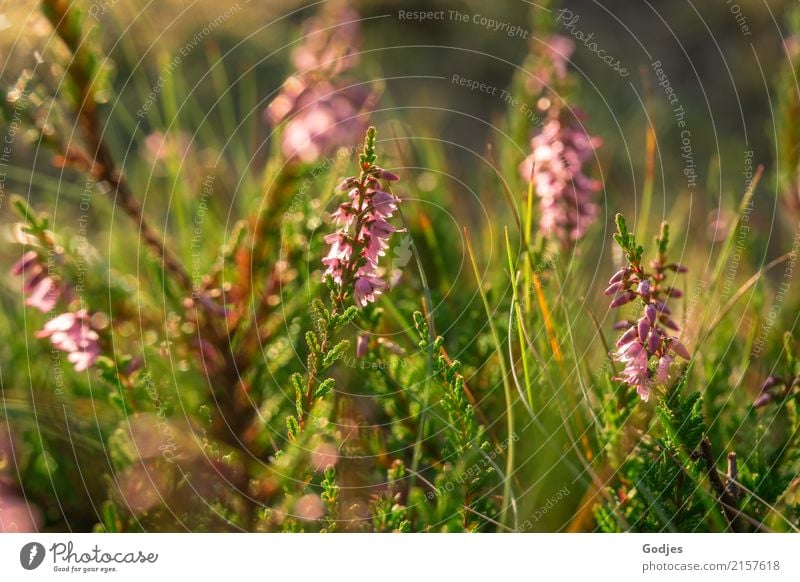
point(41, 290)
point(341, 248)
point(662, 370)
point(324, 116)
point(645, 348)
point(364, 231)
point(777, 389)
point(566, 194)
point(367, 288)
point(636, 373)
point(335, 268)
point(320, 109)
point(160, 146)
point(72, 333)
point(344, 215)
point(641, 344)
point(383, 204)
point(362, 345)
point(43, 294)
point(23, 265)
point(548, 63)
point(330, 41)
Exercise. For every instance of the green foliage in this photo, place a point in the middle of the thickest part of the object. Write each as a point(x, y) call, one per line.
point(663, 488)
point(465, 439)
point(627, 241)
point(330, 497)
point(323, 352)
point(368, 156)
point(227, 362)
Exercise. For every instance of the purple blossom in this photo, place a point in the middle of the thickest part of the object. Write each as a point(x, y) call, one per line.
point(663, 369)
point(323, 116)
point(566, 194)
point(636, 373)
point(352, 262)
point(319, 108)
point(776, 389)
point(72, 333)
point(367, 288)
point(548, 63)
point(362, 345)
point(42, 291)
point(330, 41)
point(645, 348)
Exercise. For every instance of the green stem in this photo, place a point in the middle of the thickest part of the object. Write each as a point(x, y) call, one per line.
point(518, 315)
point(506, 385)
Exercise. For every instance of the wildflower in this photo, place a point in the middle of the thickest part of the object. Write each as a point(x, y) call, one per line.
point(321, 109)
point(160, 146)
point(547, 64)
point(367, 288)
point(566, 194)
point(41, 290)
point(776, 389)
point(645, 349)
point(362, 345)
point(767, 391)
point(330, 41)
point(352, 262)
point(72, 333)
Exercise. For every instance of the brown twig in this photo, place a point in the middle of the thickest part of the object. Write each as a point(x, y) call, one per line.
point(726, 496)
point(83, 72)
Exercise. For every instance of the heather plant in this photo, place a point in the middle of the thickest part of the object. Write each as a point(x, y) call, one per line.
point(646, 348)
point(272, 296)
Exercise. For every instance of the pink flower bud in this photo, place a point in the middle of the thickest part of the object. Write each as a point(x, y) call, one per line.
point(618, 276)
point(771, 382)
point(347, 184)
point(627, 337)
point(361, 345)
point(650, 313)
point(387, 175)
point(669, 323)
point(643, 328)
point(28, 260)
point(763, 400)
point(631, 349)
point(623, 299)
point(653, 341)
point(679, 349)
point(72, 333)
point(662, 371)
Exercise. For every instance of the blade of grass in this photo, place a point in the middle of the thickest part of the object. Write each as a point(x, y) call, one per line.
point(527, 238)
point(518, 314)
point(428, 304)
point(548, 323)
point(650, 162)
point(729, 240)
point(506, 385)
